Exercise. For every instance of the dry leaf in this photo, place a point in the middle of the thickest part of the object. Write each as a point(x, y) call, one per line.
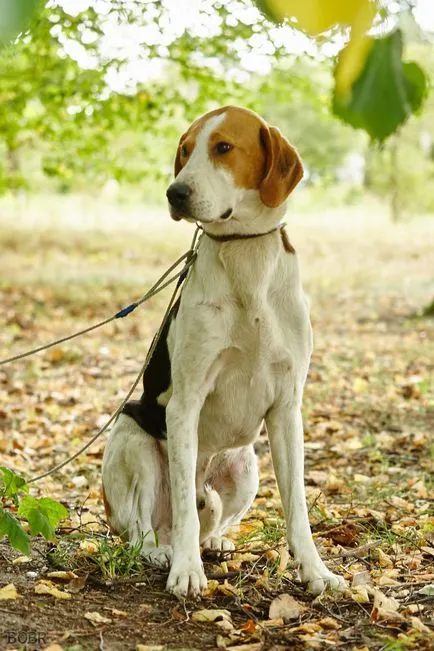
point(145, 647)
point(383, 559)
point(359, 593)
point(256, 646)
point(330, 623)
point(419, 626)
point(21, 559)
point(119, 613)
point(63, 576)
point(284, 559)
point(384, 607)
point(211, 615)
point(361, 578)
point(47, 587)
point(228, 589)
point(248, 627)
point(95, 618)
point(8, 591)
point(88, 547)
point(286, 607)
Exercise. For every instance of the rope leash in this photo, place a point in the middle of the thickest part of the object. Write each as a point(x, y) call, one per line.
point(155, 289)
point(190, 257)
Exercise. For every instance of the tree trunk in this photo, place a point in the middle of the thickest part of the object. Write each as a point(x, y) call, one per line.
point(395, 207)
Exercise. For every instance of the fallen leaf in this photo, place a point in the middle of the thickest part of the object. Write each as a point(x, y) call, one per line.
point(256, 646)
point(95, 618)
point(47, 587)
point(427, 590)
point(286, 607)
point(211, 615)
point(359, 593)
point(284, 559)
point(419, 626)
point(248, 627)
point(119, 613)
point(384, 607)
point(361, 578)
point(383, 559)
point(228, 589)
point(63, 576)
point(21, 559)
point(329, 623)
point(8, 591)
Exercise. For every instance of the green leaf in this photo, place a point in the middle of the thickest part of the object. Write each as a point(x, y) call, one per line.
point(10, 527)
point(386, 92)
point(15, 17)
point(11, 483)
point(43, 515)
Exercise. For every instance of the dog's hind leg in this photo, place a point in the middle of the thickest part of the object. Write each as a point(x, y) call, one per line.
point(234, 475)
point(135, 489)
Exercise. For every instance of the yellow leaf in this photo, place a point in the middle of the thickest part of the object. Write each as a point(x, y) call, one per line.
point(8, 591)
point(360, 385)
point(317, 16)
point(46, 587)
point(21, 559)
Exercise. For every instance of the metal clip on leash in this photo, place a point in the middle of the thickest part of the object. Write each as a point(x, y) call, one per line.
point(189, 257)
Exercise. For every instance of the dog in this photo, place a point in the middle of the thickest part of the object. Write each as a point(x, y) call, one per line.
point(179, 467)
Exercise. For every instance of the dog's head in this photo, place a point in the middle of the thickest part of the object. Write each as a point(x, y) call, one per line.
point(230, 163)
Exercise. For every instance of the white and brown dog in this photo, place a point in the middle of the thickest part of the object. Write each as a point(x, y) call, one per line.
point(179, 467)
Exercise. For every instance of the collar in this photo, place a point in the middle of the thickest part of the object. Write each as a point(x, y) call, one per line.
point(242, 236)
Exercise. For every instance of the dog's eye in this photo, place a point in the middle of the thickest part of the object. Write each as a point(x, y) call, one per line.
point(184, 151)
point(223, 147)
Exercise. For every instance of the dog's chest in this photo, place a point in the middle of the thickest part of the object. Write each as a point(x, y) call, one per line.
point(252, 366)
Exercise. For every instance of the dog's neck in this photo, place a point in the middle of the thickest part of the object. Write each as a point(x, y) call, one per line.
point(230, 237)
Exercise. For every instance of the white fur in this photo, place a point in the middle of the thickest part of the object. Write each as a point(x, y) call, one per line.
point(240, 348)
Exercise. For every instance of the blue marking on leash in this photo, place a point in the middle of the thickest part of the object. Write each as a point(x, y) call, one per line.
point(126, 310)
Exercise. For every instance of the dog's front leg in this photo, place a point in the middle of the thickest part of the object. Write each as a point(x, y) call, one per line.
point(186, 574)
point(285, 430)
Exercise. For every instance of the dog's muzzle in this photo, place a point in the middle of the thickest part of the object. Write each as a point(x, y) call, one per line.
point(178, 195)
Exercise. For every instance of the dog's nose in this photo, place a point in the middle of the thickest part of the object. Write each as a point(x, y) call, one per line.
point(178, 193)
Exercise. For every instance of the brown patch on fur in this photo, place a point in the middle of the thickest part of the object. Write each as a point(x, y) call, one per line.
point(285, 241)
point(108, 512)
point(261, 158)
point(283, 168)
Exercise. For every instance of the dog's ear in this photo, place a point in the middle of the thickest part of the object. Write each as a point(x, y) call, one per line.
point(178, 166)
point(283, 167)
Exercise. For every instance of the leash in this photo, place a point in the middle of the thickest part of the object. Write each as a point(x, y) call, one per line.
point(189, 257)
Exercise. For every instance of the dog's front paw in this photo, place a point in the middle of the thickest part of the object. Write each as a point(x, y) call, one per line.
point(159, 556)
point(187, 579)
point(319, 578)
point(219, 543)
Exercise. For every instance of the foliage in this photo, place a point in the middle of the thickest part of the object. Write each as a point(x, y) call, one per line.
point(41, 514)
point(374, 90)
point(387, 91)
point(15, 17)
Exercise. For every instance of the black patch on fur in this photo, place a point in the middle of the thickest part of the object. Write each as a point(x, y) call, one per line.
point(156, 380)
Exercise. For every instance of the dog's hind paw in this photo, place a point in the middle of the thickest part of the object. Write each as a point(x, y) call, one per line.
point(219, 543)
point(158, 556)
